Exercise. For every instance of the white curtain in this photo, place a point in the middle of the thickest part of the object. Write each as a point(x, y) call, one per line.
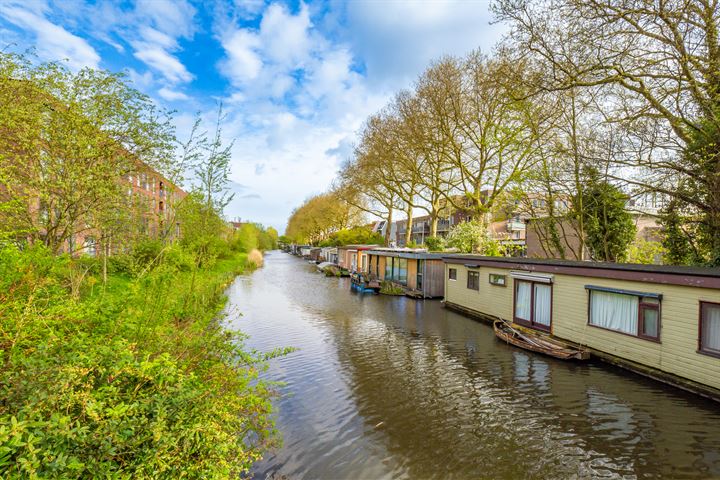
point(522, 300)
point(614, 311)
point(542, 304)
point(711, 328)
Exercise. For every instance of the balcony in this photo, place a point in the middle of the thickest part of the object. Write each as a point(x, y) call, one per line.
point(515, 225)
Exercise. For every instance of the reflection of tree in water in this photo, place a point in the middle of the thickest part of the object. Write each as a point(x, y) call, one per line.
point(453, 401)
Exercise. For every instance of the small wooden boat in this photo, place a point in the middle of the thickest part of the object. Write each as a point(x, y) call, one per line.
point(537, 343)
point(363, 283)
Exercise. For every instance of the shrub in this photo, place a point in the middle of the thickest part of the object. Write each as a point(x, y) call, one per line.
point(146, 252)
point(644, 251)
point(134, 382)
point(122, 264)
point(256, 258)
point(390, 288)
point(435, 244)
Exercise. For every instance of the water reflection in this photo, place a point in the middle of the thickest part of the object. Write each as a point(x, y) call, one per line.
point(388, 387)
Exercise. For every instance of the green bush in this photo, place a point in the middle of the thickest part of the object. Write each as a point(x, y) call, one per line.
point(137, 380)
point(146, 252)
point(435, 244)
point(390, 288)
point(121, 264)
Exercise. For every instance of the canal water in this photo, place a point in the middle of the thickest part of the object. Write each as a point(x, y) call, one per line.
point(390, 387)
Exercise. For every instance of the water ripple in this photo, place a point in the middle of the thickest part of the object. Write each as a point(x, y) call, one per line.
point(387, 387)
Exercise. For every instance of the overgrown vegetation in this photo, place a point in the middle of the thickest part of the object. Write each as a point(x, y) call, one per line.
point(115, 364)
point(134, 379)
point(390, 288)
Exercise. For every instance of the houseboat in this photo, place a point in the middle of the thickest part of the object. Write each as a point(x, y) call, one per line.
point(420, 273)
point(329, 254)
point(660, 321)
point(353, 258)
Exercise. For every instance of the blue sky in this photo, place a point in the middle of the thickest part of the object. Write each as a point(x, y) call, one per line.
point(297, 79)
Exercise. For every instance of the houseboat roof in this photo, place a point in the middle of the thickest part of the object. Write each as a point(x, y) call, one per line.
point(421, 254)
point(704, 277)
point(358, 247)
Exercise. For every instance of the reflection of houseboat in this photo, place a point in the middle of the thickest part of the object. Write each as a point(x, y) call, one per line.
point(661, 321)
point(421, 274)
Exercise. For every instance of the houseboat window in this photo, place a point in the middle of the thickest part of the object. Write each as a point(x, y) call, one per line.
point(389, 268)
point(452, 273)
point(533, 304)
point(614, 311)
point(473, 280)
point(626, 312)
point(649, 318)
point(710, 328)
point(401, 270)
point(496, 279)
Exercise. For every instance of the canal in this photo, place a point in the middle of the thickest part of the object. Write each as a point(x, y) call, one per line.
point(389, 387)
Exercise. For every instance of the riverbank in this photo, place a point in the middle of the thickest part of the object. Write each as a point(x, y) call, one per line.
point(135, 378)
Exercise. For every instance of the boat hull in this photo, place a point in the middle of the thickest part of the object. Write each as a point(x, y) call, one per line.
point(536, 343)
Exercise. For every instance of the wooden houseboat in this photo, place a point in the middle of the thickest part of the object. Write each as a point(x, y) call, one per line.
point(660, 321)
point(353, 258)
point(420, 273)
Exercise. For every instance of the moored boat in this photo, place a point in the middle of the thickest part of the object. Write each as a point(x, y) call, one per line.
point(363, 283)
point(537, 343)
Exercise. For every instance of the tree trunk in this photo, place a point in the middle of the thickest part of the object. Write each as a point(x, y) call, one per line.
point(408, 225)
point(433, 223)
point(388, 228)
point(106, 250)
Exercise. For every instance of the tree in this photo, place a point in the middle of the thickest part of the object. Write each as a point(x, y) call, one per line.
point(68, 139)
point(365, 181)
point(493, 129)
point(658, 67)
point(212, 164)
point(319, 217)
point(473, 237)
point(609, 227)
point(354, 236)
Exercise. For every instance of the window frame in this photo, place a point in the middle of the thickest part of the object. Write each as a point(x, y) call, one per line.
point(531, 323)
point(476, 275)
point(497, 276)
point(642, 306)
point(701, 350)
point(452, 274)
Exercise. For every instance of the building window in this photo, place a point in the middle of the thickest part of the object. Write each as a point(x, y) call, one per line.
point(533, 304)
point(632, 313)
point(710, 328)
point(473, 280)
point(90, 246)
point(452, 273)
point(496, 279)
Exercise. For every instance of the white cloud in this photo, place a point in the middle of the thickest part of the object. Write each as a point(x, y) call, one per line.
point(157, 58)
point(172, 17)
point(172, 95)
point(285, 36)
point(243, 62)
point(397, 39)
point(53, 42)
